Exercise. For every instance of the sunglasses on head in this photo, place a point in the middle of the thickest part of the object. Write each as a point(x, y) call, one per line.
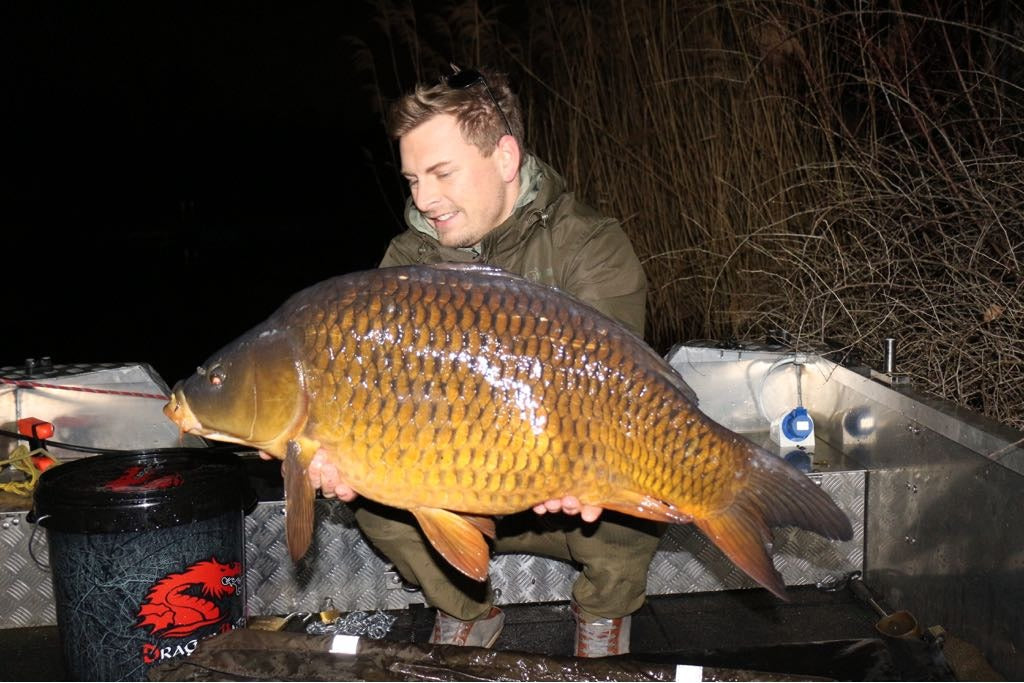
point(466, 78)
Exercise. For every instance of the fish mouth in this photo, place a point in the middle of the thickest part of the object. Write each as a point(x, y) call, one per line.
point(178, 412)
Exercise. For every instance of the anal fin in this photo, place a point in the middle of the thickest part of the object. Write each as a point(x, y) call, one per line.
point(645, 507)
point(458, 539)
point(298, 503)
point(484, 524)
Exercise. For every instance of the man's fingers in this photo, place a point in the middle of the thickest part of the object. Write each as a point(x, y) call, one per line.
point(570, 505)
point(329, 480)
point(323, 474)
point(345, 493)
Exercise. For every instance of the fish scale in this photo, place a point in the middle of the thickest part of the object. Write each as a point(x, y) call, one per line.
point(458, 392)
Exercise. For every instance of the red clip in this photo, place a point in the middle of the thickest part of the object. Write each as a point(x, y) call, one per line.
point(35, 428)
point(43, 462)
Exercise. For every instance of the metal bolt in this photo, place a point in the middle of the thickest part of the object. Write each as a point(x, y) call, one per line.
point(392, 580)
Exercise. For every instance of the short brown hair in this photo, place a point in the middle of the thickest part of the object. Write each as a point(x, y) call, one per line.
point(481, 124)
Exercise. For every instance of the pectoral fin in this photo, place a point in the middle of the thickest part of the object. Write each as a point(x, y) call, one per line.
point(458, 539)
point(645, 507)
point(298, 502)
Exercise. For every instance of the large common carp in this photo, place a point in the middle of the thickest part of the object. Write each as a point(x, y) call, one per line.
point(460, 392)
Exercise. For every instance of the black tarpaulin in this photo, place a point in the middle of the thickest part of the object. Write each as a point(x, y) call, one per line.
point(245, 654)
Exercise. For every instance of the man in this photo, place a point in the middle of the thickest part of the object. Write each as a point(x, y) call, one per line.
point(476, 197)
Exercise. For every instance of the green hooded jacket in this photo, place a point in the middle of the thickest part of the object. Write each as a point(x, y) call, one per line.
point(551, 238)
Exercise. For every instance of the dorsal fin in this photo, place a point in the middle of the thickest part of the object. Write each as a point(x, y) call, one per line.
point(477, 268)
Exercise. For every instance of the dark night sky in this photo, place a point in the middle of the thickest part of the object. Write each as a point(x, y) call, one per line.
point(173, 173)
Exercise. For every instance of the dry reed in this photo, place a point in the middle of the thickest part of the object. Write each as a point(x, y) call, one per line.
point(843, 175)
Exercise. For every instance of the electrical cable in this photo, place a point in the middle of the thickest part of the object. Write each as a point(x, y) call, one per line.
point(799, 359)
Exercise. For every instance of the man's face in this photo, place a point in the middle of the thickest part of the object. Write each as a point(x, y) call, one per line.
point(461, 192)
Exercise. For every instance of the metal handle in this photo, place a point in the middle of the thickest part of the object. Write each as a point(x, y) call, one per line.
point(889, 357)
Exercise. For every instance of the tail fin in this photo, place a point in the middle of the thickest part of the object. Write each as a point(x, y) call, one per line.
point(774, 494)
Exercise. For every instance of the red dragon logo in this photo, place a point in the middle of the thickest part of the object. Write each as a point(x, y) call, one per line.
point(177, 604)
point(141, 479)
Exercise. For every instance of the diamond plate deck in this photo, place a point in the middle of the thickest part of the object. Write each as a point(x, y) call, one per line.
point(26, 592)
point(344, 568)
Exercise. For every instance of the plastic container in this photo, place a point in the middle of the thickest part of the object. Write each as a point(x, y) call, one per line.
point(146, 554)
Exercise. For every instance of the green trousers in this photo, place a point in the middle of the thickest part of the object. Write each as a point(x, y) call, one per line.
point(613, 554)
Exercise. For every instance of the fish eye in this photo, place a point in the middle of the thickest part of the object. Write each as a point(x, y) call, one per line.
point(217, 376)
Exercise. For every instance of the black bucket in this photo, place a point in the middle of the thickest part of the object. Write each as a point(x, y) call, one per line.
point(147, 556)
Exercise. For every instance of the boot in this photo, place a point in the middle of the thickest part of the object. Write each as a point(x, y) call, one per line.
point(598, 636)
point(482, 632)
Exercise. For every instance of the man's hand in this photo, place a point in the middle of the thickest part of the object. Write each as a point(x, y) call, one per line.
point(570, 505)
point(324, 475)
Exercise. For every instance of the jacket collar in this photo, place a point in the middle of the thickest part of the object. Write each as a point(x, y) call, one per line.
point(539, 187)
